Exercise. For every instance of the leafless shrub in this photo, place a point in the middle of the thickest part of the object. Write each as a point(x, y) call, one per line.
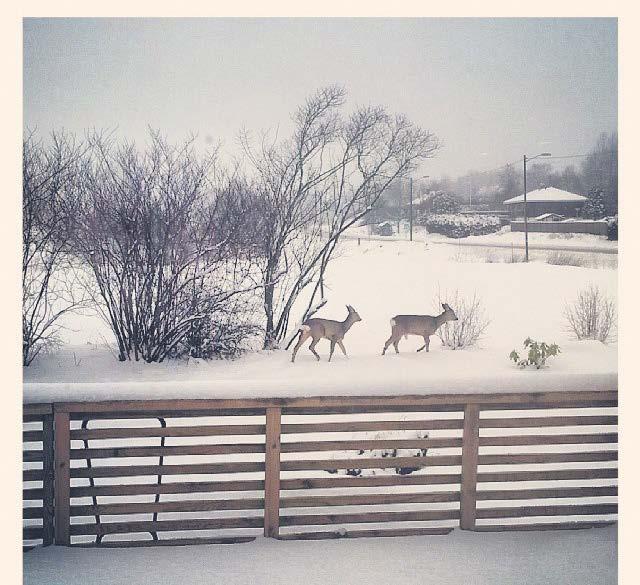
point(49, 274)
point(163, 236)
point(592, 315)
point(565, 259)
point(471, 324)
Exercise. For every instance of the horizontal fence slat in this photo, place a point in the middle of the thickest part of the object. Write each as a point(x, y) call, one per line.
point(32, 532)
point(181, 431)
point(548, 421)
point(513, 440)
point(502, 400)
point(368, 499)
point(32, 494)
point(187, 469)
point(32, 456)
point(534, 458)
point(157, 451)
point(145, 413)
point(562, 510)
point(380, 533)
point(378, 425)
point(580, 525)
point(540, 493)
point(32, 475)
point(165, 542)
point(370, 444)
point(167, 488)
point(36, 409)
point(373, 463)
point(548, 475)
point(32, 513)
point(161, 507)
point(165, 525)
point(356, 482)
point(368, 517)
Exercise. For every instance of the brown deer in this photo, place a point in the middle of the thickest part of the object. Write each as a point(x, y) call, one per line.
point(423, 325)
point(319, 329)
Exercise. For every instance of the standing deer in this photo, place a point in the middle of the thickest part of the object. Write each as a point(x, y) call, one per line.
point(319, 329)
point(423, 325)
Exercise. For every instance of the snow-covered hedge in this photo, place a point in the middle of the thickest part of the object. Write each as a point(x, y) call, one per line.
point(461, 226)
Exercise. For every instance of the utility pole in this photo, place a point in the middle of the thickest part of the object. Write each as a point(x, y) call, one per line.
point(526, 224)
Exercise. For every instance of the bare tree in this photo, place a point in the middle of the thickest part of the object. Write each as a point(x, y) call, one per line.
point(50, 278)
point(158, 229)
point(317, 184)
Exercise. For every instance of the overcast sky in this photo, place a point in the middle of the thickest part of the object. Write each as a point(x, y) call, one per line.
point(491, 89)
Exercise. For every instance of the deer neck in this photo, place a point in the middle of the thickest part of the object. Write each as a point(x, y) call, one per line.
point(441, 319)
point(347, 323)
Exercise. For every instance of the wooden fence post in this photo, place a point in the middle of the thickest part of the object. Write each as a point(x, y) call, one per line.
point(272, 474)
point(47, 480)
point(62, 478)
point(469, 483)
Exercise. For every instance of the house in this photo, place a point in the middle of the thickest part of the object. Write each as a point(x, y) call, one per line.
point(546, 201)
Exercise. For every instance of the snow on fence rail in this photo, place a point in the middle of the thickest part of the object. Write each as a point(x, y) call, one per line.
point(135, 473)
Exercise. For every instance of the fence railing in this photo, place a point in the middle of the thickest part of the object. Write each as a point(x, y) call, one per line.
point(184, 471)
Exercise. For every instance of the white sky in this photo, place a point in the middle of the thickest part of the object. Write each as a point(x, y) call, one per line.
point(491, 89)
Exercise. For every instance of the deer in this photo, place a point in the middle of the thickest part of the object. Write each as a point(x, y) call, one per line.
point(319, 329)
point(423, 325)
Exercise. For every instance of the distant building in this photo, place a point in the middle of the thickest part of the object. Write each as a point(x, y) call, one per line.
point(546, 201)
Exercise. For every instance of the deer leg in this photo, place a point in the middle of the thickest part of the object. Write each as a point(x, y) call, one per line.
point(421, 348)
point(389, 341)
point(312, 348)
point(426, 343)
point(333, 346)
point(395, 345)
point(341, 346)
point(303, 337)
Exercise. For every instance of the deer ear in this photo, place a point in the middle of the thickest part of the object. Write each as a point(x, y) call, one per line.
point(444, 306)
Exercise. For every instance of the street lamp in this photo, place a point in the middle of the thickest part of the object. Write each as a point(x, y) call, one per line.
point(526, 224)
point(411, 205)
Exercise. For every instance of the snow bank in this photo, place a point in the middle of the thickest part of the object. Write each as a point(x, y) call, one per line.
point(588, 557)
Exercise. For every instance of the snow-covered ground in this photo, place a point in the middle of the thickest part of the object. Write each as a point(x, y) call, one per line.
point(585, 557)
point(380, 279)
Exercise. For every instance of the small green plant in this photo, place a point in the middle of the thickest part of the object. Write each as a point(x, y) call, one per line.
point(537, 354)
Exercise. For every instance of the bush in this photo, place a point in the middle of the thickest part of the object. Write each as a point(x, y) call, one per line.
point(564, 259)
point(592, 315)
point(210, 339)
point(471, 323)
point(612, 228)
point(537, 354)
point(461, 226)
point(443, 203)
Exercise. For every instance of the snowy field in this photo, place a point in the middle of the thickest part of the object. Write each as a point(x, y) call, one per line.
point(380, 279)
point(581, 557)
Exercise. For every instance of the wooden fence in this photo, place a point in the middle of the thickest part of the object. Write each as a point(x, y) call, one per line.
point(135, 473)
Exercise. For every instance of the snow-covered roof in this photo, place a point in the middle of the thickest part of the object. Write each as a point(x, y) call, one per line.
point(546, 195)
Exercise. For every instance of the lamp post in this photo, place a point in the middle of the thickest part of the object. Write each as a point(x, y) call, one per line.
point(526, 223)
